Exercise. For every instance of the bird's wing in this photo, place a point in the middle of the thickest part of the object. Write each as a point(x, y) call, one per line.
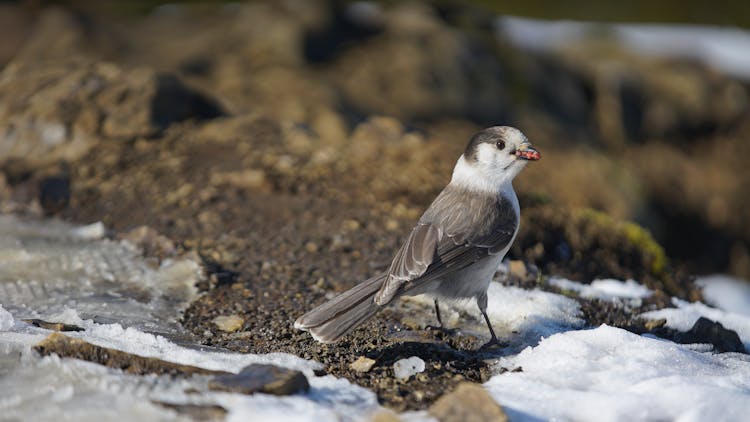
point(438, 246)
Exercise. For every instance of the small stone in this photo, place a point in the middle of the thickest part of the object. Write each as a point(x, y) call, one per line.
point(405, 368)
point(260, 378)
point(385, 416)
point(311, 247)
point(362, 364)
point(469, 402)
point(653, 324)
point(229, 323)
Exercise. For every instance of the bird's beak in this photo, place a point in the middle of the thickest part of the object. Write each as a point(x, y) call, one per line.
point(526, 152)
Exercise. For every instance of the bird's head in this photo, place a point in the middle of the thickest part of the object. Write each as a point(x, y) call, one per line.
point(493, 157)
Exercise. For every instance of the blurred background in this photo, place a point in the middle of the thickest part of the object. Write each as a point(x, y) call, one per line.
point(640, 109)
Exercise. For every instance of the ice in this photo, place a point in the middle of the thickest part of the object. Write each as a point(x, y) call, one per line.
point(49, 266)
point(404, 368)
point(685, 314)
point(608, 374)
point(6, 319)
point(725, 48)
point(49, 386)
point(725, 292)
point(609, 290)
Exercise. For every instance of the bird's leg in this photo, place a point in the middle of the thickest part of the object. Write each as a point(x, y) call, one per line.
point(437, 312)
point(482, 303)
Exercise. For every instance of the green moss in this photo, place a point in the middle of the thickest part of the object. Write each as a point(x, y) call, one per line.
point(634, 234)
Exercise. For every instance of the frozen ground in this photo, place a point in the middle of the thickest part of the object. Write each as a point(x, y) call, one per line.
point(568, 372)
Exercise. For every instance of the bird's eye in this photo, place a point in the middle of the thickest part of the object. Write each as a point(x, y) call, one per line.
point(500, 145)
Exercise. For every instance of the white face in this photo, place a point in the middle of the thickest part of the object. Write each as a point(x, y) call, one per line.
point(495, 163)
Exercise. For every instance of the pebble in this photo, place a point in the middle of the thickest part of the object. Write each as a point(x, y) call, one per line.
point(405, 368)
point(229, 323)
point(362, 364)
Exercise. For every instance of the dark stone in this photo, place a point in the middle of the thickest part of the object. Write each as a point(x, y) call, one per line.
point(259, 378)
point(54, 326)
point(706, 331)
point(54, 194)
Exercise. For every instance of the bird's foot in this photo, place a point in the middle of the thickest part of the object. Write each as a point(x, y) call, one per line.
point(493, 344)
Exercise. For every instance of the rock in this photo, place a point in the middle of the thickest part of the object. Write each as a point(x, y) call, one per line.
point(54, 326)
point(584, 244)
point(433, 70)
point(653, 324)
point(518, 269)
point(405, 368)
point(260, 378)
point(58, 111)
point(250, 179)
point(385, 416)
point(469, 402)
point(150, 242)
point(54, 194)
point(706, 331)
point(68, 347)
point(196, 412)
point(362, 364)
point(228, 323)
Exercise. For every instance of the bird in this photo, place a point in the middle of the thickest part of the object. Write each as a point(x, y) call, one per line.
point(454, 249)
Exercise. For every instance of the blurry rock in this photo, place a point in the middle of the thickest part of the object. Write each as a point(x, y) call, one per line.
point(583, 244)
point(68, 347)
point(405, 368)
point(706, 331)
point(433, 70)
point(469, 402)
point(362, 364)
point(53, 112)
point(635, 99)
point(54, 194)
point(15, 27)
point(196, 412)
point(150, 242)
point(258, 378)
point(229, 323)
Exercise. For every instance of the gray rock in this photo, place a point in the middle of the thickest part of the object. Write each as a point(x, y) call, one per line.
point(259, 378)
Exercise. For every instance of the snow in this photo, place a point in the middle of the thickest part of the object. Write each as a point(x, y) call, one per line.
point(524, 315)
point(609, 290)
point(404, 368)
point(725, 292)
point(725, 48)
point(607, 374)
point(6, 319)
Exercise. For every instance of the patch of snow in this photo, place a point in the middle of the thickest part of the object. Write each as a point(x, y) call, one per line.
point(404, 368)
point(725, 292)
point(91, 232)
point(44, 387)
point(6, 319)
point(685, 314)
point(611, 374)
point(609, 290)
point(725, 48)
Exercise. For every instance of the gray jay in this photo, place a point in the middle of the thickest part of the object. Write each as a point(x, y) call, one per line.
point(456, 246)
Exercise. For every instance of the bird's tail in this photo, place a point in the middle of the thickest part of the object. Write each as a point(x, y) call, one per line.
point(331, 320)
